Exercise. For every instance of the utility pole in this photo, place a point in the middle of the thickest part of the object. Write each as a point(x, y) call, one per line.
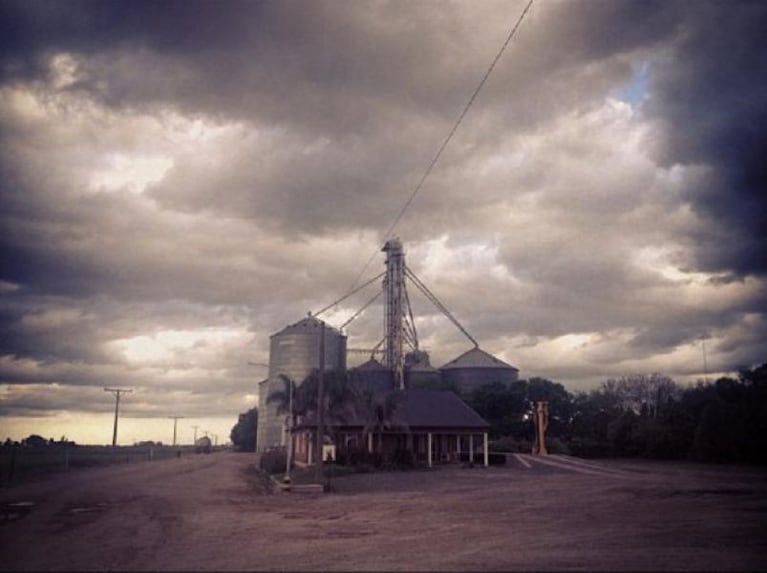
point(320, 401)
point(175, 422)
point(195, 433)
point(289, 427)
point(541, 424)
point(116, 392)
point(263, 393)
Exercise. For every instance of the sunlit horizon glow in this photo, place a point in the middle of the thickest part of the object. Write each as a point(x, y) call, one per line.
point(96, 429)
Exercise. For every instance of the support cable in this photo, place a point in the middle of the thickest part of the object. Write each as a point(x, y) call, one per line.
point(445, 143)
point(436, 302)
point(343, 298)
point(361, 310)
point(410, 331)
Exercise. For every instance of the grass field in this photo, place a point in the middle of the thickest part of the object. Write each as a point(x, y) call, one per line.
point(20, 463)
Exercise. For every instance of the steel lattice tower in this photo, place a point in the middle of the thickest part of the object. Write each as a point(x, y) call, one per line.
point(394, 310)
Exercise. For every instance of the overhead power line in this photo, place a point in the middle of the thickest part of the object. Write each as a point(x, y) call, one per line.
point(457, 124)
point(445, 143)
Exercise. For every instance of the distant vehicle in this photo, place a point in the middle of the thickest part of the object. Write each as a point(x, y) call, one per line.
point(202, 445)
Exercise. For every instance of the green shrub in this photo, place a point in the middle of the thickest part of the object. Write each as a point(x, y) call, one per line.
point(273, 461)
point(590, 448)
point(512, 445)
point(363, 457)
point(403, 459)
point(493, 459)
point(557, 446)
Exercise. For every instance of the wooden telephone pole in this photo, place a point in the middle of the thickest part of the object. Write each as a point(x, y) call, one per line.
point(175, 422)
point(320, 402)
point(116, 392)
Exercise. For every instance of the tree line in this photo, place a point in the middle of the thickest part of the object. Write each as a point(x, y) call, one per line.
point(644, 416)
point(647, 416)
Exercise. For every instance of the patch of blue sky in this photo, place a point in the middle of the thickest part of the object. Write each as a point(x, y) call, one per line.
point(635, 90)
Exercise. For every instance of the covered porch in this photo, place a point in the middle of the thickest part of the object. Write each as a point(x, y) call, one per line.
point(430, 427)
point(427, 446)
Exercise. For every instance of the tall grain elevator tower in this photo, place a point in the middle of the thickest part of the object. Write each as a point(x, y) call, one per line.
point(394, 310)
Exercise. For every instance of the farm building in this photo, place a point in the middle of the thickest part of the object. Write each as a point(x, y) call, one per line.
point(431, 425)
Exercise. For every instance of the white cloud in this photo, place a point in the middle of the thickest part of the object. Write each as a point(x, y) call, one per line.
point(171, 199)
point(132, 173)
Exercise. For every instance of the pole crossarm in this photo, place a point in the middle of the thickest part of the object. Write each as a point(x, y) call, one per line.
point(117, 392)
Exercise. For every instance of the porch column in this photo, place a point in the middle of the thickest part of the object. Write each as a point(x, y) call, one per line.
point(486, 453)
point(311, 449)
point(458, 446)
point(370, 443)
point(428, 447)
point(471, 448)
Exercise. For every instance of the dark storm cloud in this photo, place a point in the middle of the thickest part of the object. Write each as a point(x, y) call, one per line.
point(711, 94)
point(292, 133)
point(277, 62)
point(708, 90)
point(32, 30)
point(341, 72)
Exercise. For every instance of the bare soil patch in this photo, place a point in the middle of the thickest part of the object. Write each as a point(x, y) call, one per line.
point(213, 513)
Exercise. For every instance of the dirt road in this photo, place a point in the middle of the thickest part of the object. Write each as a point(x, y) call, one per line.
point(204, 513)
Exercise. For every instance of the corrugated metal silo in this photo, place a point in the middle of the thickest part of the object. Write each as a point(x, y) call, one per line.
point(294, 352)
point(476, 368)
point(419, 373)
point(372, 375)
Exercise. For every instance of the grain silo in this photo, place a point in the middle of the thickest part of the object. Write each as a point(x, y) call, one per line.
point(476, 368)
point(372, 376)
point(419, 373)
point(295, 352)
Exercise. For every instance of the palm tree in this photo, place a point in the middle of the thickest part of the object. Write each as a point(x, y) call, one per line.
point(284, 397)
point(378, 411)
point(339, 398)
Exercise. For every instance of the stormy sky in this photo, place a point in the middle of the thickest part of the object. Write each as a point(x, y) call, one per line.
point(180, 180)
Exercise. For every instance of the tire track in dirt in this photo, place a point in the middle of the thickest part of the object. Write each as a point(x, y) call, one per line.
point(575, 465)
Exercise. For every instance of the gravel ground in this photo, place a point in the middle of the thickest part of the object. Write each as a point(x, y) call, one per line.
point(209, 512)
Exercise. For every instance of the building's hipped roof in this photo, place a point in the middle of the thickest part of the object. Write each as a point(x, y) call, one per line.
point(308, 325)
point(421, 409)
point(438, 409)
point(477, 358)
point(372, 376)
point(371, 364)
